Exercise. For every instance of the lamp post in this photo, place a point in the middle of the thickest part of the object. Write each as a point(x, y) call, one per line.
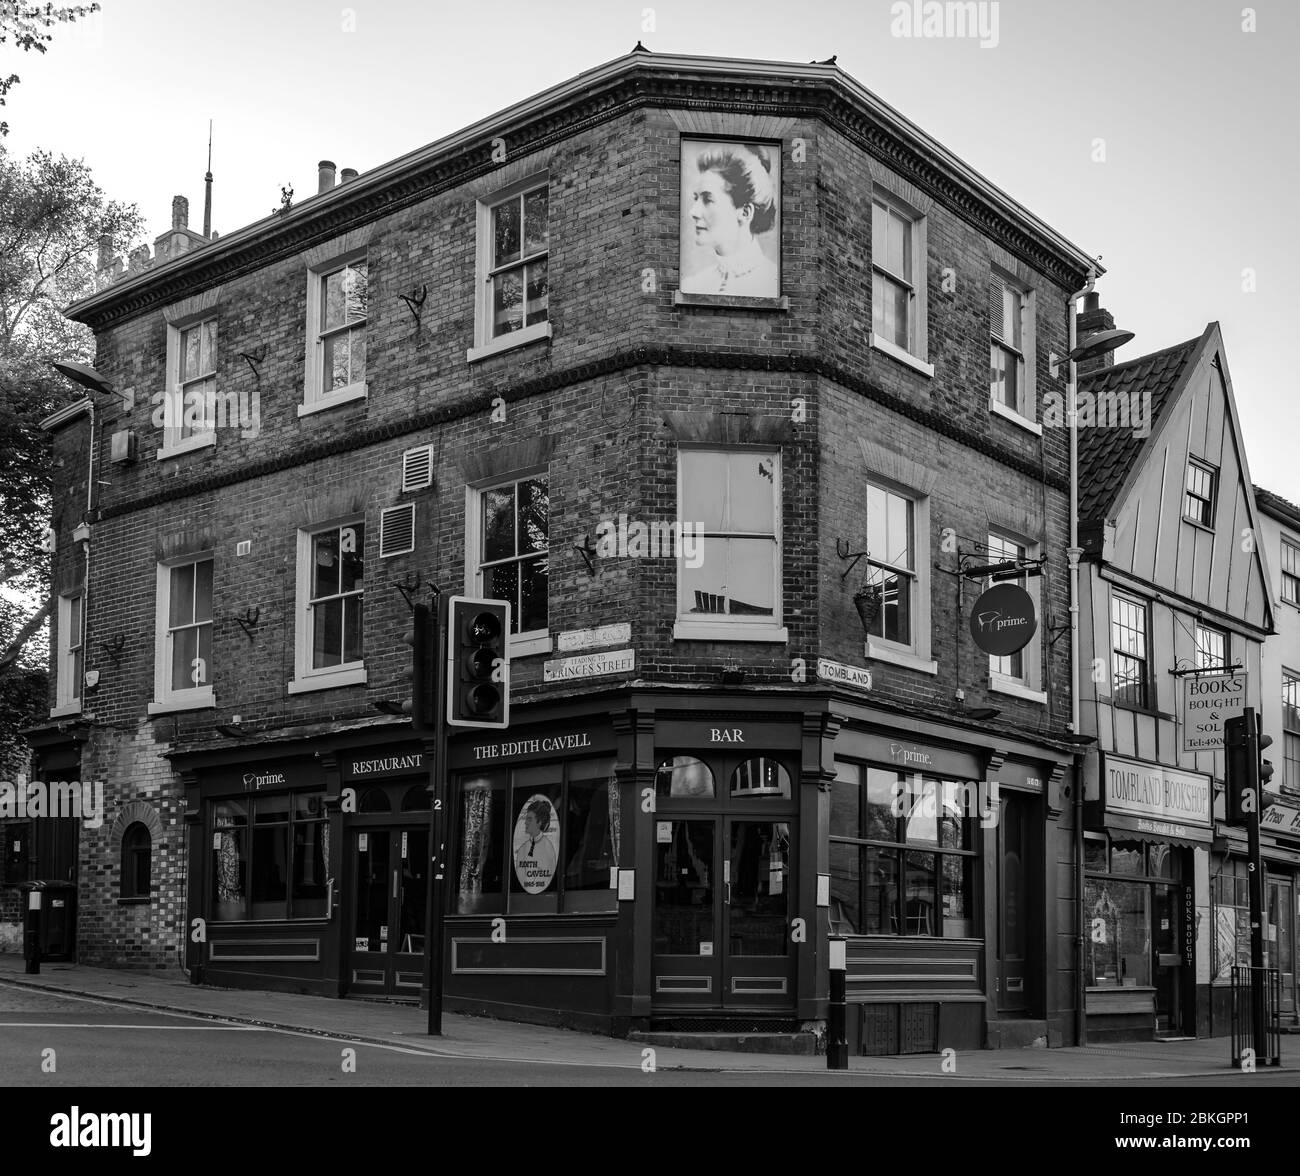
point(1095, 344)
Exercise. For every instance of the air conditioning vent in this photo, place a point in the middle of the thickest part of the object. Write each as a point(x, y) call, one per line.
point(417, 468)
point(122, 446)
point(397, 530)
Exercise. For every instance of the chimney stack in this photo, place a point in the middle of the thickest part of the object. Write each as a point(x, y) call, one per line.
point(1094, 318)
point(105, 251)
point(347, 175)
point(180, 212)
point(326, 173)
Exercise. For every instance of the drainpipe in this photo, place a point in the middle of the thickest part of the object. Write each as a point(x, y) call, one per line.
point(1073, 552)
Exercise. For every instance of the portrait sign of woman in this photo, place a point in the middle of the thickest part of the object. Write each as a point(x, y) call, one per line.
point(536, 842)
point(731, 225)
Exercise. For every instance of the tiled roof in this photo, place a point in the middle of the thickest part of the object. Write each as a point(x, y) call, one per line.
point(1107, 454)
point(1280, 508)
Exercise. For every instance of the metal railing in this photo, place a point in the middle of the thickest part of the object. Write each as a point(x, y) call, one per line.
point(1262, 1036)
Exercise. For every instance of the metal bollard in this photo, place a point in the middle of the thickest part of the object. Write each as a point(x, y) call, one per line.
point(32, 933)
point(837, 1045)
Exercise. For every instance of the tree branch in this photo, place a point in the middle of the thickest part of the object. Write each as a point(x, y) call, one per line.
point(17, 645)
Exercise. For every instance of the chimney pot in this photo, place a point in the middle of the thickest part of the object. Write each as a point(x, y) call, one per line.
point(347, 175)
point(326, 174)
point(180, 212)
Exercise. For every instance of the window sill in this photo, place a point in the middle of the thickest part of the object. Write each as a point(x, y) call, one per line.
point(529, 646)
point(879, 343)
point(68, 708)
point(189, 445)
point(1000, 409)
point(731, 301)
point(334, 399)
point(1139, 710)
point(696, 631)
point(1198, 525)
point(508, 341)
point(352, 676)
point(1003, 685)
point(900, 657)
point(134, 901)
point(198, 702)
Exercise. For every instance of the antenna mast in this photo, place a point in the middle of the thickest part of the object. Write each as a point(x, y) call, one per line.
point(207, 193)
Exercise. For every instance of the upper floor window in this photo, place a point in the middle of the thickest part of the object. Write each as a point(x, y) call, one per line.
point(1211, 648)
point(898, 281)
point(1129, 627)
point(137, 848)
point(1291, 729)
point(331, 583)
point(1011, 349)
point(190, 405)
point(513, 304)
point(183, 656)
point(1199, 494)
point(1290, 572)
point(69, 665)
point(1020, 672)
point(729, 549)
point(891, 559)
point(337, 306)
point(510, 552)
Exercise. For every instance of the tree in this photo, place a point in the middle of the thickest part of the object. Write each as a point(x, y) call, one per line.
point(25, 25)
point(52, 219)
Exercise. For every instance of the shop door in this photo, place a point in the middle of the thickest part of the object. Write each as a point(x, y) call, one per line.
point(1013, 919)
point(1279, 944)
point(722, 936)
point(390, 888)
point(1168, 939)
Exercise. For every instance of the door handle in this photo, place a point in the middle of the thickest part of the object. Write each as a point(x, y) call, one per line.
point(728, 886)
point(394, 883)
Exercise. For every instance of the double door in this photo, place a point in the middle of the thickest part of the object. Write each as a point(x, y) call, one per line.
point(724, 903)
point(390, 878)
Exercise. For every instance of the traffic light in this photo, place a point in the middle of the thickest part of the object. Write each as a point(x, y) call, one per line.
point(1242, 767)
point(421, 704)
point(1265, 766)
point(478, 666)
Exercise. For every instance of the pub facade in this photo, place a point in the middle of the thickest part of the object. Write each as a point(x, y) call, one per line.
point(738, 482)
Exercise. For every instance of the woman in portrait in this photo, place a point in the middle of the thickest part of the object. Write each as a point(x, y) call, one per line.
point(732, 204)
point(534, 850)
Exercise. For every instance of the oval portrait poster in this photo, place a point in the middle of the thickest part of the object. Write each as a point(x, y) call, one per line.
point(536, 843)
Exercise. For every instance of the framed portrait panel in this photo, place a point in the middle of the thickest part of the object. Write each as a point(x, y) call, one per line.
point(730, 231)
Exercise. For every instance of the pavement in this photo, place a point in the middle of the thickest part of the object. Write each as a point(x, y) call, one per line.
point(386, 1024)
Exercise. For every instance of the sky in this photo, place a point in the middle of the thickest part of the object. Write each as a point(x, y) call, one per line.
point(1159, 135)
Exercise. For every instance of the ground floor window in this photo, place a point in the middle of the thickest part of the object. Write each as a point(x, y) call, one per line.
point(1132, 895)
point(902, 853)
point(538, 839)
point(1230, 891)
point(270, 857)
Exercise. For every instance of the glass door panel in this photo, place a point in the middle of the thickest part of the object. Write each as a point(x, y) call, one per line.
point(412, 903)
point(371, 912)
point(1167, 958)
point(759, 883)
point(686, 955)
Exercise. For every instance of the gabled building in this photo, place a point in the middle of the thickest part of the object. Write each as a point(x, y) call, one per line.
point(723, 374)
point(1175, 584)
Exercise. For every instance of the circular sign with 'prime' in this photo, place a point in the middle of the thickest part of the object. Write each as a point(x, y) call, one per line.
point(1003, 620)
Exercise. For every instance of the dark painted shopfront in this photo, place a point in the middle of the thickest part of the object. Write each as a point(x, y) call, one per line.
point(650, 863)
point(1145, 835)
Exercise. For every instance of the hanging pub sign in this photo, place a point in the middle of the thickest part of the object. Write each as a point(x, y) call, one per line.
point(1003, 620)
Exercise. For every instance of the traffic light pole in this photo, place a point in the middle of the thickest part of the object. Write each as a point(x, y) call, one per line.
point(1258, 1019)
point(436, 756)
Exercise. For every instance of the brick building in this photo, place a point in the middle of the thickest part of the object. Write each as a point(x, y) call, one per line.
point(746, 302)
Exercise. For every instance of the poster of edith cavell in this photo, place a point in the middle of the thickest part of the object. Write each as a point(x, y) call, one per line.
point(731, 218)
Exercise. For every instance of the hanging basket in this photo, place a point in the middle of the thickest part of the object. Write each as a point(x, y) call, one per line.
point(867, 602)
